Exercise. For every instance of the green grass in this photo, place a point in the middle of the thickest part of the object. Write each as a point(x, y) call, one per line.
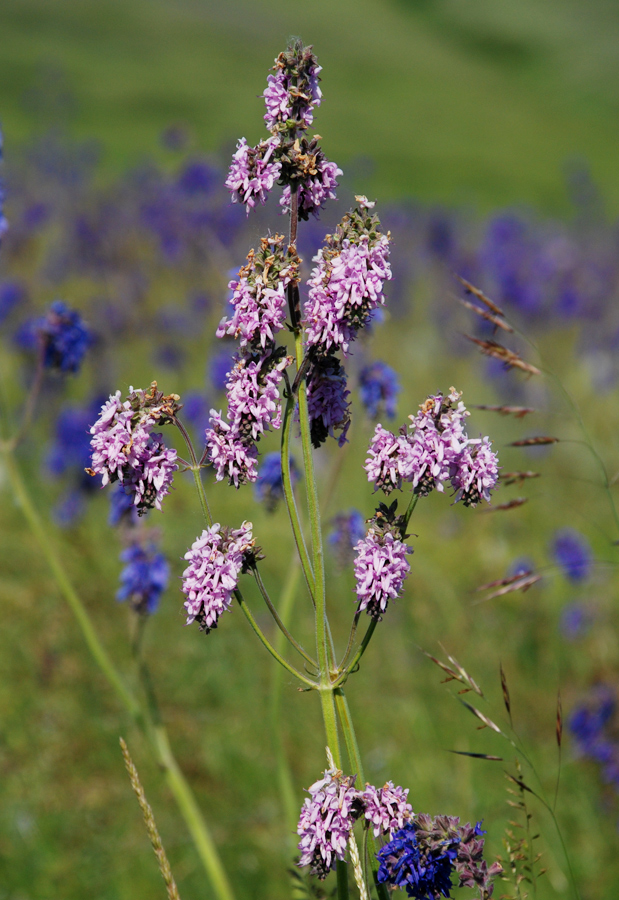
point(482, 103)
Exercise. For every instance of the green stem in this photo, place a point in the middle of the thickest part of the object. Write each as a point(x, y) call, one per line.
point(330, 722)
point(354, 758)
point(193, 817)
point(280, 659)
point(155, 732)
point(360, 651)
point(289, 497)
point(284, 775)
point(409, 511)
point(51, 557)
point(278, 621)
point(195, 468)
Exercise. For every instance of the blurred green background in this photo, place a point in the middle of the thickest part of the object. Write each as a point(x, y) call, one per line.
point(472, 103)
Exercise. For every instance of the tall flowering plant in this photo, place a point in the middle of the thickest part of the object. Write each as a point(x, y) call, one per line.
point(288, 373)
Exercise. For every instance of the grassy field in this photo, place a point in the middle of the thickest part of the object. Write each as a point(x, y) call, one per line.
point(479, 105)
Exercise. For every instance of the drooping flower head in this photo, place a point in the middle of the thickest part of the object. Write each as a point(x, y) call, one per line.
point(253, 172)
point(125, 449)
point(380, 564)
point(259, 295)
point(216, 559)
point(144, 577)
point(233, 457)
point(347, 283)
point(326, 821)
point(293, 91)
point(379, 387)
point(327, 399)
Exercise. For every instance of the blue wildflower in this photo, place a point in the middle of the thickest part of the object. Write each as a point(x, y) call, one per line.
point(572, 551)
point(70, 449)
point(269, 486)
point(592, 725)
point(63, 335)
point(425, 873)
point(379, 387)
point(144, 577)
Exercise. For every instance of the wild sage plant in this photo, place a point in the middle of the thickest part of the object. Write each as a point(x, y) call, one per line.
point(289, 374)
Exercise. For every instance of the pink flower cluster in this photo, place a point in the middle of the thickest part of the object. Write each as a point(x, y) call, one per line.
point(293, 92)
point(329, 814)
point(125, 449)
point(254, 406)
point(345, 287)
point(253, 172)
point(215, 563)
point(435, 450)
point(259, 296)
point(315, 190)
point(380, 569)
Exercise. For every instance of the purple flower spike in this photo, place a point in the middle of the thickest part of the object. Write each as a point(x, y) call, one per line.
point(380, 569)
point(215, 562)
point(259, 295)
point(232, 457)
point(390, 459)
point(326, 821)
point(317, 187)
point(572, 551)
point(253, 172)
point(346, 285)
point(65, 338)
point(292, 92)
point(386, 808)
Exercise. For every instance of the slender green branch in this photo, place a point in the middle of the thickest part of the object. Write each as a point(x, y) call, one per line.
point(278, 621)
point(195, 468)
point(360, 651)
point(286, 786)
point(50, 554)
point(351, 641)
point(280, 659)
point(409, 511)
point(289, 497)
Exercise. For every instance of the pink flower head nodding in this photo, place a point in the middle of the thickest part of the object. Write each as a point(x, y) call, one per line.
point(380, 569)
point(390, 458)
point(233, 458)
point(125, 450)
point(326, 821)
point(216, 559)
